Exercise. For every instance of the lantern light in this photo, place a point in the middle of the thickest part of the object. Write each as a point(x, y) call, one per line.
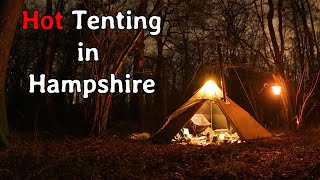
point(211, 89)
point(276, 90)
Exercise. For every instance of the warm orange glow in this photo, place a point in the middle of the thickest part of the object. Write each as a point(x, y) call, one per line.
point(211, 88)
point(222, 136)
point(276, 90)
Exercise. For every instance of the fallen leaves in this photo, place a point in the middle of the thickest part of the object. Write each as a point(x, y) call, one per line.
point(112, 157)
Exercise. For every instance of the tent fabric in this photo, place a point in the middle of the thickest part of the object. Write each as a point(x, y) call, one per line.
point(223, 115)
point(192, 102)
point(211, 110)
point(209, 91)
point(177, 120)
point(200, 120)
point(246, 125)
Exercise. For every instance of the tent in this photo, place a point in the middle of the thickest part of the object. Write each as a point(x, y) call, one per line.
point(208, 102)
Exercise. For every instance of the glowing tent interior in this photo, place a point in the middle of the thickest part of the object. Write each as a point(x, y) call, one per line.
point(208, 104)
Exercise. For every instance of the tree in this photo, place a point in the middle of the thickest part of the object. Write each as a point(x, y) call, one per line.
point(45, 101)
point(9, 15)
point(137, 103)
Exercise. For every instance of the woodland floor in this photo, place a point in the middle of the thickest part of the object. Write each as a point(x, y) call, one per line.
point(294, 156)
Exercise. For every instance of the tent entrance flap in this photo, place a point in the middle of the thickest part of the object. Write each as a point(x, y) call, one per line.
point(212, 112)
point(176, 122)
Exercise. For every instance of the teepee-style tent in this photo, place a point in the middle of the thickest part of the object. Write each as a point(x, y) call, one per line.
point(222, 114)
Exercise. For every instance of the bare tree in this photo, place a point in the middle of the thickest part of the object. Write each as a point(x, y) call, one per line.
point(9, 15)
point(137, 100)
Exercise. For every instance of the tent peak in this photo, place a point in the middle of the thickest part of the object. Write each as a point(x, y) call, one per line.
point(210, 90)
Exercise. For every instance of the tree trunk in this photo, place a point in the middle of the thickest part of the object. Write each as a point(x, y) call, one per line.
point(9, 15)
point(46, 68)
point(99, 124)
point(277, 52)
point(161, 94)
point(137, 104)
point(310, 50)
point(279, 78)
point(314, 32)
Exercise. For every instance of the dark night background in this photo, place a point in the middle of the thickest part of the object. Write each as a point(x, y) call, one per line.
point(63, 136)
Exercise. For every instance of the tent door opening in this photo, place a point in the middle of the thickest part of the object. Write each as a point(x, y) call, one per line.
point(208, 125)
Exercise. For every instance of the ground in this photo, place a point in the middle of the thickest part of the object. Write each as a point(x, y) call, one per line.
point(295, 155)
